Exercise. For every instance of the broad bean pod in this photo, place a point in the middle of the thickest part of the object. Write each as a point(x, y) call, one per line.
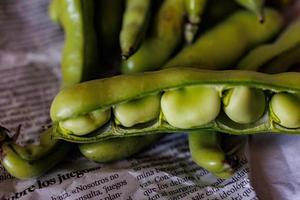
point(23, 169)
point(194, 9)
point(80, 48)
point(255, 6)
point(257, 58)
point(117, 148)
point(134, 25)
point(34, 152)
point(240, 32)
point(178, 110)
point(206, 152)
point(164, 38)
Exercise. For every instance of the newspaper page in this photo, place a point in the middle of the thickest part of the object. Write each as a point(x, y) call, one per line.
point(29, 79)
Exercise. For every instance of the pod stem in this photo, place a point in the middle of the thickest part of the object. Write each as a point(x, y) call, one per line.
point(17, 134)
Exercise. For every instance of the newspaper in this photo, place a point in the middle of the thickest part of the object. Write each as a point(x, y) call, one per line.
point(30, 48)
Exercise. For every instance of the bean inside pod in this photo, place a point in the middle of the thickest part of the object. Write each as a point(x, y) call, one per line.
point(189, 99)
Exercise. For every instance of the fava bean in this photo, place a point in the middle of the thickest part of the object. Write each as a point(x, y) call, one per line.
point(260, 56)
point(244, 105)
point(85, 124)
point(23, 169)
point(34, 152)
point(134, 25)
point(80, 47)
point(190, 106)
point(206, 151)
point(285, 109)
point(137, 111)
point(116, 149)
point(103, 94)
point(164, 38)
point(242, 32)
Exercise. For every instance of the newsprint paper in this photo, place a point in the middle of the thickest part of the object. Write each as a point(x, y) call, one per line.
point(30, 47)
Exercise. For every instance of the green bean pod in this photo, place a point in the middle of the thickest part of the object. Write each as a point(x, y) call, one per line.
point(194, 9)
point(103, 94)
point(23, 169)
point(255, 6)
point(117, 148)
point(257, 58)
point(34, 152)
point(80, 48)
point(241, 31)
point(206, 152)
point(162, 41)
point(134, 25)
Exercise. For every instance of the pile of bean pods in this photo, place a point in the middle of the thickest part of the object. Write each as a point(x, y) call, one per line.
point(217, 70)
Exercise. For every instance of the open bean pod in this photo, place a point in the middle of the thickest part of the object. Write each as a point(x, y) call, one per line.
point(190, 99)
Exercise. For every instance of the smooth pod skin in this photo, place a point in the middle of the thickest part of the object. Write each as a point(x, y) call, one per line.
point(23, 169)
point(255, 6)
point(285, 109)
point(116, 149)
point(261, 55)
point(194, 9)
point(87, 123)
point(164, 38)
point(244, 105)
point(79, 54)
point(34, 152)
point(241, 31)
point(190, 106)
point(206, 151)
point(137, 111)
point(106, 93)
point(134, 25)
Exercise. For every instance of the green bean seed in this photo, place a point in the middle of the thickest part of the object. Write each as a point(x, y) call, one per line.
point(190, 106)
point(82, 125)
point(138, 111)
point(285, 109)
point(244, 105)
point(206, 152)
point(116, 149)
